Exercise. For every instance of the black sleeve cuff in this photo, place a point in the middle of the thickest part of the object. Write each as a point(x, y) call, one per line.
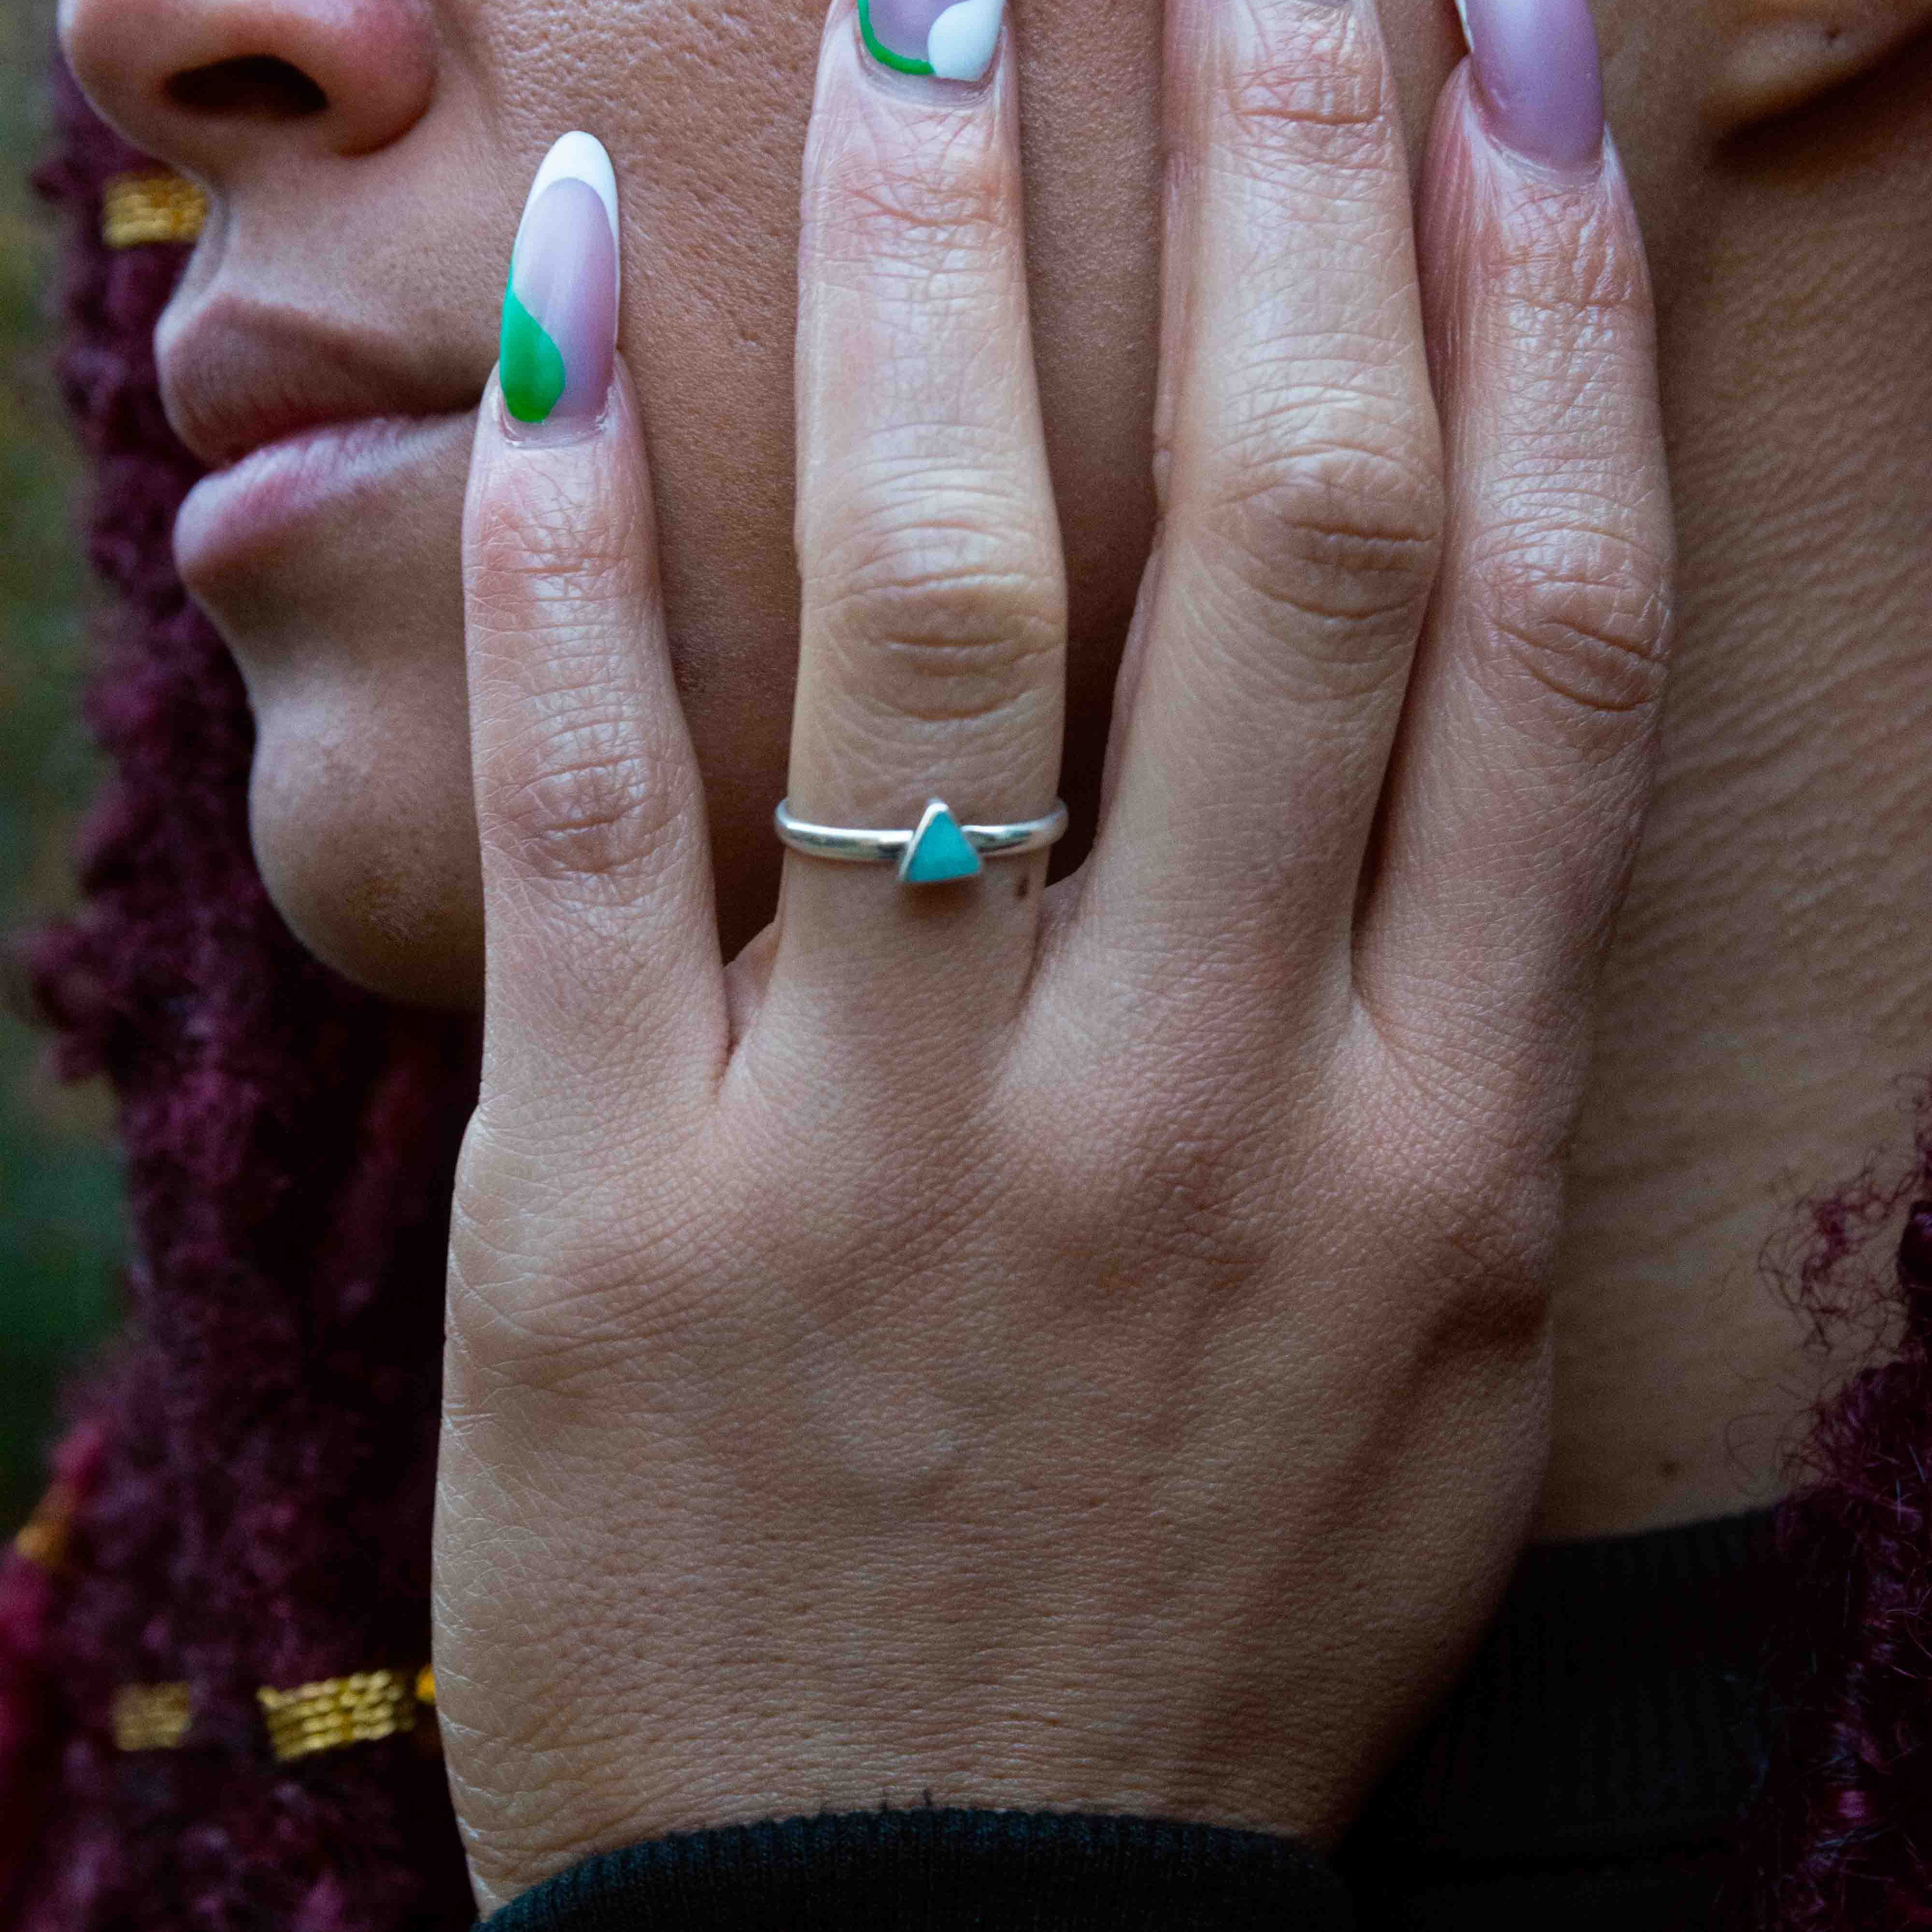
point(930, 1870)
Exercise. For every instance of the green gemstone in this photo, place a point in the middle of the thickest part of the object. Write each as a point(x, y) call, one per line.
point(939, 851)
point(533, 374)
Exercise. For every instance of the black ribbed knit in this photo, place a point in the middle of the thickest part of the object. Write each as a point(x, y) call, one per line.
point(1588, 1776)
point(932, 1871)
point(1593, 1766)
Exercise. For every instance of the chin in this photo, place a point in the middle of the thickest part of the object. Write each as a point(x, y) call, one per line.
point(367, 843)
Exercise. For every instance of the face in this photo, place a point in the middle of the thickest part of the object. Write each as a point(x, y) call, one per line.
point(367, 161)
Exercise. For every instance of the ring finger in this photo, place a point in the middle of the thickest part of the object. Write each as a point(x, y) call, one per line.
point(933, 625)
point(1302, 501)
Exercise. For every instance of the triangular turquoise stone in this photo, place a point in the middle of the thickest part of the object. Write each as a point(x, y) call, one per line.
point(939, 852)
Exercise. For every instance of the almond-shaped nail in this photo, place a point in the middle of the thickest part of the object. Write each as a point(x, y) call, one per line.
point(1541, 77)
point(560, 309)
point(955, 42)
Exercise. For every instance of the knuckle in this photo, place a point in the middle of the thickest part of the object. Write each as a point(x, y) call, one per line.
point(1315, 82)
point(573, 797)
point(1173, 1191)
point(1484, 1140)
point(1584, 615)
point(945, 591)
point(1179, 1148)
point(1495, 1238)
point(553, 1271)
point(1339, 529)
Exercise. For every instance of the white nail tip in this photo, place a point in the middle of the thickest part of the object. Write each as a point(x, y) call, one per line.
point(959, 45)
point(581, 157)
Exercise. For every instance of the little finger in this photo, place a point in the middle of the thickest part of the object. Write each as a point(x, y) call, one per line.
point(1524, 768)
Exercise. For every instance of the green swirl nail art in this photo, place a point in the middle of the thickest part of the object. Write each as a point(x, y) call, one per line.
point(954, 39)
point(533, 375)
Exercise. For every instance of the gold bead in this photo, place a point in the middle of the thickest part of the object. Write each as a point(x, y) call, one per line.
point(155, 206)
point(334, 1711)
point(150, 1716)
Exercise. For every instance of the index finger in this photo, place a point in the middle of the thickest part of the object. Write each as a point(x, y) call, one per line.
point(601, 951)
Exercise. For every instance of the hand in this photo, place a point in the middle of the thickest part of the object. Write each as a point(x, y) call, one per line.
point(1083, 1348)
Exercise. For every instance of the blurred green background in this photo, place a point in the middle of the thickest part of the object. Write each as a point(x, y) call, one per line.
point(60, 1229)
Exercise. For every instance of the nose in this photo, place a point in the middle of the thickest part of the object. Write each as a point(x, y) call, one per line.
point(211, 84)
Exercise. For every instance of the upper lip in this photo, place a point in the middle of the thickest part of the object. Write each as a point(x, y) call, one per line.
point(236, 374)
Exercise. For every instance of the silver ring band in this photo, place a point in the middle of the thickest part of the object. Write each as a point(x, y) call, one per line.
point(953, 850)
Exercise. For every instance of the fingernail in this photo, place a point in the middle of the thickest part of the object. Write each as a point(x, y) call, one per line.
point(560, 308)
point(955, 42)
point(1539, 76)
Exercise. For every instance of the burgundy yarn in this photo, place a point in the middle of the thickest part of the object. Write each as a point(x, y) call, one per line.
point(1846, 1829)
point(29, 1603)
point(260, 1511)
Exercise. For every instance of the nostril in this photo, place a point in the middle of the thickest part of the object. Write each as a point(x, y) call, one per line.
point(253, 87)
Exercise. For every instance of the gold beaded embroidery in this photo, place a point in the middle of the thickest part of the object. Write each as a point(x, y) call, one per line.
point(150, 1716)
point(322, 1716)
point(337, 1711)
point(150, 207)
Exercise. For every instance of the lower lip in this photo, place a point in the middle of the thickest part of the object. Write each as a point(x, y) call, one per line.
point(235, 518)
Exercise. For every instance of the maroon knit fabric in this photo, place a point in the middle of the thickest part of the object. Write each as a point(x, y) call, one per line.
point(1844, 1836)
point(259, 1510)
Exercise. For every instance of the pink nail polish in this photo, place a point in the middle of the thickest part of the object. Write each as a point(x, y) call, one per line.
point(1540, 78)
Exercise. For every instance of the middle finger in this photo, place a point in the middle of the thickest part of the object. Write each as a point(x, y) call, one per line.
point(933, 625)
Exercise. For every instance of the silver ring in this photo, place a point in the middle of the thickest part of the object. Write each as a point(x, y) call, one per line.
point(937, 849)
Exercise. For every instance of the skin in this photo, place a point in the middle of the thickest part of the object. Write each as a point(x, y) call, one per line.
point(1683, 1380)
point(357, 674)
point(1785, 867)
point(1166, 1462)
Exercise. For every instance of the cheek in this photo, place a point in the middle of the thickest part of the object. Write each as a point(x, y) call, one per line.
point(359, 810)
